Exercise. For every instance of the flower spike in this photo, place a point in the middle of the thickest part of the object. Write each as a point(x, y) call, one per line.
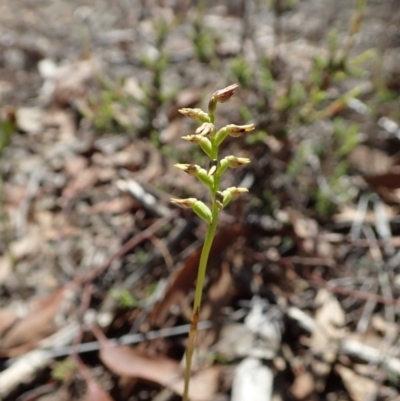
point(209, 140)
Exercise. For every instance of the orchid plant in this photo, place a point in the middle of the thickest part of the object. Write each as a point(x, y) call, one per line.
point(209, 139)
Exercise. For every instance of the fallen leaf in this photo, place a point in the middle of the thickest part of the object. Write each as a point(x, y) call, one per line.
point(218, 296)
point(389, 179)
point(183, 279)
point(39, 323)
point(369, 160)
point(126, 361)
point(359, 387)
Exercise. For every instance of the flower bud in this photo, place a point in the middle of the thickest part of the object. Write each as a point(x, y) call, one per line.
point(223, 95)
point(220, 136)
point(203, 211)
point(195, 114)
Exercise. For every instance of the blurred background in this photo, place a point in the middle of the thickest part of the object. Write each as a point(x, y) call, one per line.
point(303, 281)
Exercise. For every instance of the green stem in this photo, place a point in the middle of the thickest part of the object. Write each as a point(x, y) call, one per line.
point(205, 253)
point(197, 298)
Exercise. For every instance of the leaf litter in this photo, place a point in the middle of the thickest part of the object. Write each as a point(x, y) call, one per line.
point(93, 125)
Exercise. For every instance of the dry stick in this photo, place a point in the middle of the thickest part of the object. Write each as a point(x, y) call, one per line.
point(319, 281)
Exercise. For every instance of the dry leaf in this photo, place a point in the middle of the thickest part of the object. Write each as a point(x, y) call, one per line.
point(125, 361)
point(388, 179)
point(39, 323)
point(369, 160)
point(183, 279)
point(359, 387)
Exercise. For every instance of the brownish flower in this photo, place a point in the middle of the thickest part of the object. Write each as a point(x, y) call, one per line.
point(223, 95)
point(239, 130)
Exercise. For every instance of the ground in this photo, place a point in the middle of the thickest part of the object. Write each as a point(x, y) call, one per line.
point(303, 280)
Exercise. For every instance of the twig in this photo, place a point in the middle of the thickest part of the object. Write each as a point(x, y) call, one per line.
point(128, 339)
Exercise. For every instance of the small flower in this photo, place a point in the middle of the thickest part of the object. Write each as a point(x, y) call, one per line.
point(235, 162)
point(223, 95)
point(200, 140)
point(195, 114)
point(200, 208)
point(205, 129)
point(236, 191)
point(185, 203)
point(196, 171)
point(193, 138)
point(190, 169)
point(239, 130)
point(232, 162)
point(223, 198)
